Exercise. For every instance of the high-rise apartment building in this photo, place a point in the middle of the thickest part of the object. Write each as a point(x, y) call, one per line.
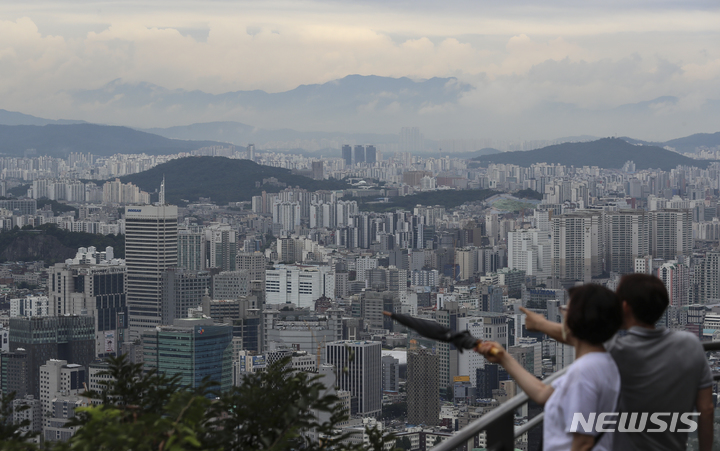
point(578, 246)
point(676, 277)
point(670, 233)
point(706, 279)
point(251, 152)
point(423, 389)
point(363, 377)
point(628, 238)
point(530, 251)
point(150, 249)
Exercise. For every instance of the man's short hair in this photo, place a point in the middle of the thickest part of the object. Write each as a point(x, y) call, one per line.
point(594, 314)
point(646, 295)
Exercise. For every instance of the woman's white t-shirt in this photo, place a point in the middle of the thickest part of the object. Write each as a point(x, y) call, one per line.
point(590, 385)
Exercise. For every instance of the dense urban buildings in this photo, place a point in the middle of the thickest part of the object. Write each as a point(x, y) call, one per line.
point(208, 289)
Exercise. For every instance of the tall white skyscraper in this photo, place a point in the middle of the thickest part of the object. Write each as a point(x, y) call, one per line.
point(151, 240)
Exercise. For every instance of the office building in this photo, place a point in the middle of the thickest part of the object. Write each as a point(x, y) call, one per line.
point(220, 247)
point(423, 389)
point(363, 378)
point(299, 285)
point(14, 373)
point(359, 154)
point(29, 306)
point(391, 374)
point(60, 378)
point(347, 155)
point(254, 263)
point(370, 155)
point(231, 284)
point(251, 152)
point(150, 249)
point(182, 290)
point(191, 250)
point(70, 338)
point(302, 328)
point(96, 287)
point(194, 348)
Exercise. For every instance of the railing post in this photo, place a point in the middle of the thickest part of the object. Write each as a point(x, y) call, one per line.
point(501, 436)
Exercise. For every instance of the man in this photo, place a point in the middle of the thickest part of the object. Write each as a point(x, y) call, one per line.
point(660, 370)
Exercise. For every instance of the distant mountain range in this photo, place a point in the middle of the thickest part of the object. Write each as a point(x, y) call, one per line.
point(350, 104)
point(605, 153)
point(19, 132)
point(103, 140)
point(221, 179)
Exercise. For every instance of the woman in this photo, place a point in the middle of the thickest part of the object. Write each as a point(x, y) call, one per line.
point(590, 386)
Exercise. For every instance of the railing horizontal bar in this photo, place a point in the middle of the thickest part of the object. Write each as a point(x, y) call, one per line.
point(485, 421)
point(537, 419)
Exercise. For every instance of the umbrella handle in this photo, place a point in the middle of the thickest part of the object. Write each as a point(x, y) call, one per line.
point(493, 351)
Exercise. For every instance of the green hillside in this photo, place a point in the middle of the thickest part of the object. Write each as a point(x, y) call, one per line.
point(606, 153)
point(52, 245)
point(221, 179)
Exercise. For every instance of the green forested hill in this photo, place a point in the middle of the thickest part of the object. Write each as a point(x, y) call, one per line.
point(221, 179)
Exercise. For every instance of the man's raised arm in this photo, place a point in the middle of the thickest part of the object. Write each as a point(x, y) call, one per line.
point(537, 322)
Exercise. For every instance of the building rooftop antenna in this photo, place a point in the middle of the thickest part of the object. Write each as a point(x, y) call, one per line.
point(161, 199)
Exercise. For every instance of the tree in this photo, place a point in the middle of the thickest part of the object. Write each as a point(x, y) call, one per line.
point(12, 436)
point(403, 443)
point(272, 410)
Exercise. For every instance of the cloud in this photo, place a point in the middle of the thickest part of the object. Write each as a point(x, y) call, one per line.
point(518, 57)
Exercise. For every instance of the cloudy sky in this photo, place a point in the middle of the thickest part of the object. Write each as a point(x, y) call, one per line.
point(536, 71)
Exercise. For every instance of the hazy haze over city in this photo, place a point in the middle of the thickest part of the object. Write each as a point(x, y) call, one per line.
point(649, 70)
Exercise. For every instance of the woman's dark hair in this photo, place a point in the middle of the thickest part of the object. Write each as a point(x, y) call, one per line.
point(646, 295)
point(594, 314)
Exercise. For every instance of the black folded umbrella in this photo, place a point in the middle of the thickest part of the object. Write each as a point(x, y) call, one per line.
point(436, 331)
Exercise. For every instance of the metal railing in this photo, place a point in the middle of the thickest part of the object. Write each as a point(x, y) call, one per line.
point(499, 423)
